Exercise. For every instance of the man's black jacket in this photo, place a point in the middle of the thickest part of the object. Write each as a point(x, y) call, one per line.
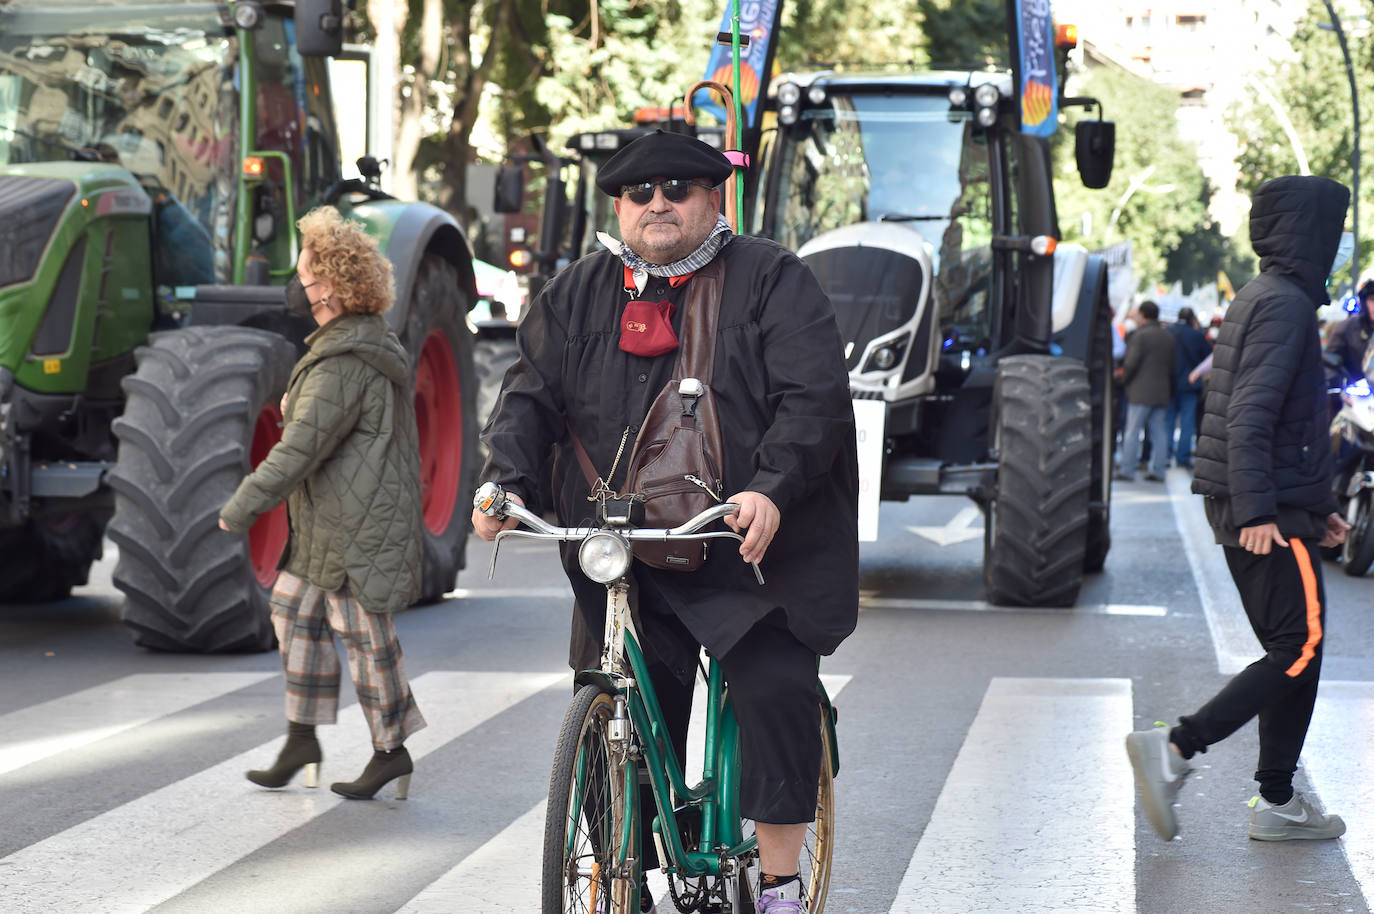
point(782, 394)
point(1263, 454)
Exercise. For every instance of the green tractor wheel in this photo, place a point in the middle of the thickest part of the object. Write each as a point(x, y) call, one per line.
point(48, 556)
point(202, 409)
point(441, 351)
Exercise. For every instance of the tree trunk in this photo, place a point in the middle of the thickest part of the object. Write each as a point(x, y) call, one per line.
point(411, 106)
point(467, 101)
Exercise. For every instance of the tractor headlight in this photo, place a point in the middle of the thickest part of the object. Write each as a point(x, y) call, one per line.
point(886, 356)
point(789, 94)
point(816, 95)
point(958, 97)
point(247, 15)
point(604, 557)
point(788, 114)
point(986, 117)
point(986, 95)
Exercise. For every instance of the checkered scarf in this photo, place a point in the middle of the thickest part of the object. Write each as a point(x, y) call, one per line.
point(694, 261)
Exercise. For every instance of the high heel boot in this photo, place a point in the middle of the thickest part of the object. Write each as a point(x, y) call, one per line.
point(384, 768)
point(302, 750)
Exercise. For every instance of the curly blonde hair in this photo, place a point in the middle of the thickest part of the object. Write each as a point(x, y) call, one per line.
point(349, 259)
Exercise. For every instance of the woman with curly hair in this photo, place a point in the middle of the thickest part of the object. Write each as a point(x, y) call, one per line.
point(348, 467)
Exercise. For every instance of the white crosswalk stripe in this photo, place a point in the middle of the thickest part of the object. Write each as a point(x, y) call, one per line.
point(995, 841)
point(1001, 839)
point(145, 852)
point(1340, 766)
point(43, 730)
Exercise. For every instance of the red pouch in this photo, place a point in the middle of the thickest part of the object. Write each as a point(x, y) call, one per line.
point(646, 328)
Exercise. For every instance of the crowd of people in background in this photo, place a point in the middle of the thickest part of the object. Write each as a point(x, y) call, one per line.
point(1149, 418)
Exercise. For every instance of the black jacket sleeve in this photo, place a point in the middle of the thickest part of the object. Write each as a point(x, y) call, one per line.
point(529, 413)
point(808, 386)
point(1268, 362)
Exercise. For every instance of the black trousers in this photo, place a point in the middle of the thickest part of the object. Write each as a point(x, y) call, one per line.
point(771, 678)
point(1283, 595)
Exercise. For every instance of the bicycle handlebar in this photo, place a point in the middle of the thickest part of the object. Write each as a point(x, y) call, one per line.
point(492, 501)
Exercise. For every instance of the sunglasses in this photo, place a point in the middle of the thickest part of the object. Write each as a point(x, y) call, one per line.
point(675, 190)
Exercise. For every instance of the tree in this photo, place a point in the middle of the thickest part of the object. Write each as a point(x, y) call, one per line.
point(1158, 195)
point(1312, 91)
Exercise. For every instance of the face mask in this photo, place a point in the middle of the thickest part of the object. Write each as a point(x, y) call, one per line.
point(297, 302)
point(1344, 251)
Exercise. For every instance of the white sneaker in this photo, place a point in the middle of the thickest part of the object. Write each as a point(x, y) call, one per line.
point(1297, 818)
point(1159, 771)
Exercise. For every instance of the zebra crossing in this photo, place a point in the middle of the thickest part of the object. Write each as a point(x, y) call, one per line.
point(190, 844)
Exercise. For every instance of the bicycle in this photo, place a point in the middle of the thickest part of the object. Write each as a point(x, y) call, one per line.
point(614, 737)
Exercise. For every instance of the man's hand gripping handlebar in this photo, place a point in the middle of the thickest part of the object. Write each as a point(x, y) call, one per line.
point(491, 501)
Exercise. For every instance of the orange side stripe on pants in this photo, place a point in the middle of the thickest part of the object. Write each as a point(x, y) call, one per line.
point(1314, 608)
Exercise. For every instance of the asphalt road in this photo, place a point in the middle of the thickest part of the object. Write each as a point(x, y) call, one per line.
point(982, 766)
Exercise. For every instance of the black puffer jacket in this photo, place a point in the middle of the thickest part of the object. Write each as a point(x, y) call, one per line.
point(1263, 455)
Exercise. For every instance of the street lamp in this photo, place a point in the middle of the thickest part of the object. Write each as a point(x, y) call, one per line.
point(1335, 25)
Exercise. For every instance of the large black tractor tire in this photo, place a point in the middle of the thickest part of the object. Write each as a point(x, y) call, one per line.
point(1100, 369)
point(440, 345)
point(194, 406)
point(48, 556)
point(1035, 530)
point(491, 359)
point(1357, 552)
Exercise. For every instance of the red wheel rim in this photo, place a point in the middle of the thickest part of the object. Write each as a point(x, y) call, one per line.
point(439, 417)
point(267, 537)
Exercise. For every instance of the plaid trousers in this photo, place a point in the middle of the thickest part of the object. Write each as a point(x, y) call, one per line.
point(306, 618)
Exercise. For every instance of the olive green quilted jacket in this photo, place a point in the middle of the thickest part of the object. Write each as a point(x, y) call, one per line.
point(348, 465)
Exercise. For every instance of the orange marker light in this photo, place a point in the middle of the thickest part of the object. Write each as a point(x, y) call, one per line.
point(519, 258)
point(1066, 36)
point(253, 166)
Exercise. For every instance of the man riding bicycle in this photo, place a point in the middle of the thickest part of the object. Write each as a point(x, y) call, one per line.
point(782, 393)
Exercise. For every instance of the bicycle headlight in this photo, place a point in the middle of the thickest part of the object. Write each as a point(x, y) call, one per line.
point(604, 557)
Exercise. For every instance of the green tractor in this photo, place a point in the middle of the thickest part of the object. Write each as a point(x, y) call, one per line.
point(153, 161)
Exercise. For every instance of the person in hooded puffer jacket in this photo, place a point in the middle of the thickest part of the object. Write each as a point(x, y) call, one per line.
point(348, 467)
point(1263, 465)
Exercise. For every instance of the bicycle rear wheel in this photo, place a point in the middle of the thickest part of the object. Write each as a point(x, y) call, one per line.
point(591, 833)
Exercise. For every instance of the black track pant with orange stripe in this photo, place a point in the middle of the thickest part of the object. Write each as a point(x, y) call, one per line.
point(1283, 595)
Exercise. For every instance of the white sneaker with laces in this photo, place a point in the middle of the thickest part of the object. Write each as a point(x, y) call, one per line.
point(1298, 818)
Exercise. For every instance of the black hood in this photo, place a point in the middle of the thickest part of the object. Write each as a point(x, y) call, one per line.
point(1295, 227)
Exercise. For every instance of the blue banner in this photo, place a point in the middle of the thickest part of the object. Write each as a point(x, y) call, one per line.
point(1038, 90)
point(757, 19)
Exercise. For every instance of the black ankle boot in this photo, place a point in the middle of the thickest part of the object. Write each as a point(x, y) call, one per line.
point(384, 768)
point(302, 750)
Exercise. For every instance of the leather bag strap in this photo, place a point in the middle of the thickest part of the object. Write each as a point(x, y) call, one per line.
point(697, 357)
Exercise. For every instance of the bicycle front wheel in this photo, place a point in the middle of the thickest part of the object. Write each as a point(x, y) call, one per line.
point(591, 833)
point(820, 834)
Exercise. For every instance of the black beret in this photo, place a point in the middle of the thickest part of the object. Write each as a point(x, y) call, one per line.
point(662, 155)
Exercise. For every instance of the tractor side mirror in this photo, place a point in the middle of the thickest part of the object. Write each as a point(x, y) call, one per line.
point(510, 189)
point(319, 28)
point(1094, 148)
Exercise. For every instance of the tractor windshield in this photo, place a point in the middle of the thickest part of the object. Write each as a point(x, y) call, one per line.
point(147, 85)
point(903, 158)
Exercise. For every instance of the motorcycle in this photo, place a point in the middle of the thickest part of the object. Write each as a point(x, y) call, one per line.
point(1352, 432)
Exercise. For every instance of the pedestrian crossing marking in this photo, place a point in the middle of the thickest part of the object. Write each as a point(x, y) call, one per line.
point(147, 851)
point(63, 724)
point(1337, 760)
point(1005, 835)
point(503, 875)
point(500, 877)
point(1232, 637)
